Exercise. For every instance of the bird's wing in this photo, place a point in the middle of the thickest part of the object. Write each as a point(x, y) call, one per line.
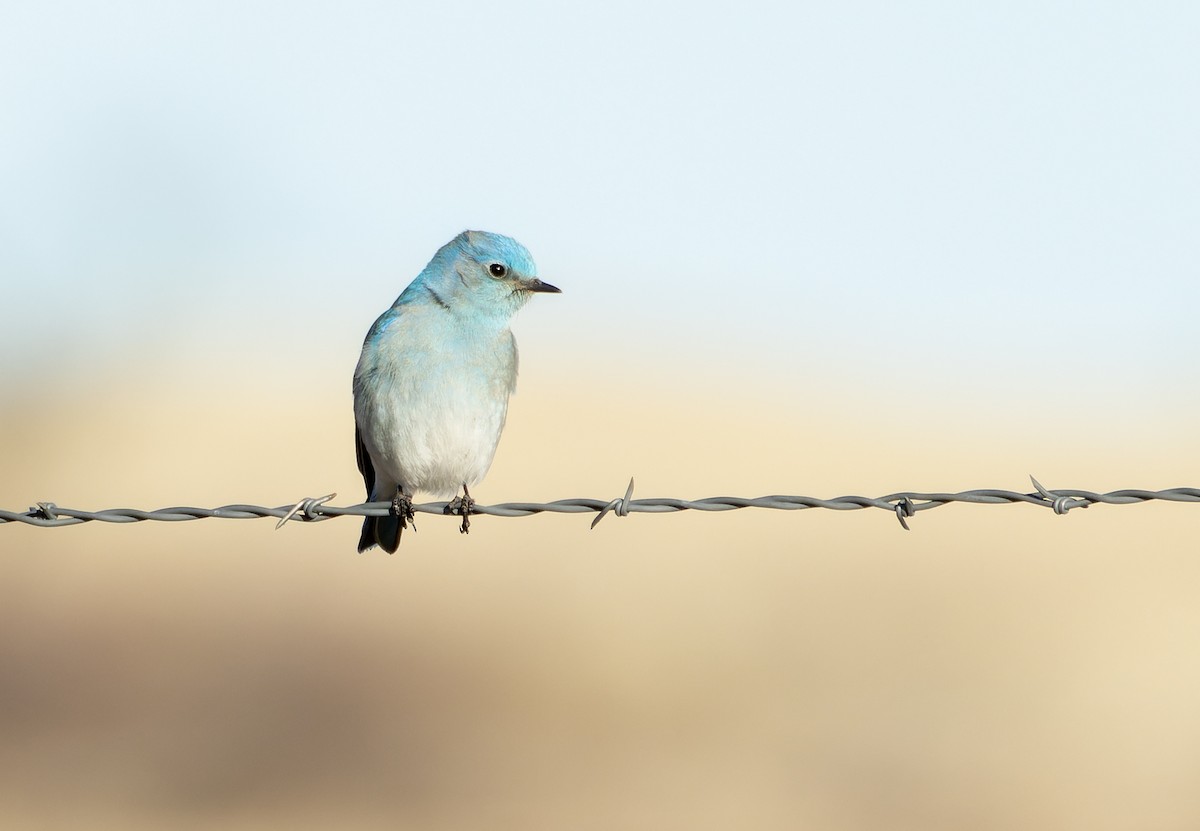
point(365, 467)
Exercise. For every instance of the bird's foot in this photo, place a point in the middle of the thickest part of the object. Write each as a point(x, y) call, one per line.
point(461, 506)
point(402, 507)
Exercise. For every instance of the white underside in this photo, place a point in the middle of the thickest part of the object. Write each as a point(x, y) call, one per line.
point(433, 442)
point(431, 416)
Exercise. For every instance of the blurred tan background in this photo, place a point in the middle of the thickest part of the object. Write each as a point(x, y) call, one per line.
point(996, 667)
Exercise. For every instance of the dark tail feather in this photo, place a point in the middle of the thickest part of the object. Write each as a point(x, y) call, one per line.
point(383, 531)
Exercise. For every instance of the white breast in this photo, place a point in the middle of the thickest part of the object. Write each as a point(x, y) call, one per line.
point(431, 409)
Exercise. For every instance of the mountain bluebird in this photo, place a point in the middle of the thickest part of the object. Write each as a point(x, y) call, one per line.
point(432, 385)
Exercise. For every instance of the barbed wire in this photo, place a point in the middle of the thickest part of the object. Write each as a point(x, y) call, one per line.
point(315, 509)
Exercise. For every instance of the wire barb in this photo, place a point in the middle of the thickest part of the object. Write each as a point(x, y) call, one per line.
point(619, 506)
point(306, 508)
point(1061, 504)
point(904, 509)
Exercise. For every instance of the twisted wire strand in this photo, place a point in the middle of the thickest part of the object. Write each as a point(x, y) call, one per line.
point(904, 505)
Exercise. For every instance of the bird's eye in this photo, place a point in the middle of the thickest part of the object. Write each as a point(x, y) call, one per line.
point(497, 270)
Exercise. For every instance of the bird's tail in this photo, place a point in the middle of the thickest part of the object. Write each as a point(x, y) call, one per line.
point(383, 531)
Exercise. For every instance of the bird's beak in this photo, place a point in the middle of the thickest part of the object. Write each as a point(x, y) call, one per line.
point(534, 284)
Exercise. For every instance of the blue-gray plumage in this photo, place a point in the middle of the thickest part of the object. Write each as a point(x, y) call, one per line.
point(432, 385)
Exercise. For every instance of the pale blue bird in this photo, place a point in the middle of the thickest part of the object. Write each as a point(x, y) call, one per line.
point(432, 385)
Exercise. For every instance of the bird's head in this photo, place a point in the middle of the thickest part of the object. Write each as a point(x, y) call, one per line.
point(484, 272)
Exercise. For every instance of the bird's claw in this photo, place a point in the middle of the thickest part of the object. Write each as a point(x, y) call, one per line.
point(402, 507)
point(461, 506)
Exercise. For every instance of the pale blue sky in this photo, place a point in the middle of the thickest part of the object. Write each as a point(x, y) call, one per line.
point(996, 196)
